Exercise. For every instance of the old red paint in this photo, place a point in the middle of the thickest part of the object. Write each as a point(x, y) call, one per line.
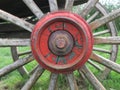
point(76, 44)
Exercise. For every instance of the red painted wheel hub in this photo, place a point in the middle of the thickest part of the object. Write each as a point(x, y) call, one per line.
point(61, 42)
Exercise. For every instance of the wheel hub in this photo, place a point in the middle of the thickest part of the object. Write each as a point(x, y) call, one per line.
point(61, 42)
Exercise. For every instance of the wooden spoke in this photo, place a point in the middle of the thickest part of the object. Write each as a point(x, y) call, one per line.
point(105, 19)
point(34, 8)
point(113, 32)
point(53, 5)
point(93, 80)
point(102, 50)
point(101, 32)
point(24, 53)
point(33, 70)
point(107, 40)
point(33, 79)
point(69, 5)
point(15, 65)
point(106, 62)
point(53, 81)
point(15, 20)
point(93, 16)
point(90, 5)
point(72, 82)
point(95, 65)
point(14, 42)
point(15, 57)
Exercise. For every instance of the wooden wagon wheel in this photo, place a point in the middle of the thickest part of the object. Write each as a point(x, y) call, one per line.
point(58, 48)
point(110, 30)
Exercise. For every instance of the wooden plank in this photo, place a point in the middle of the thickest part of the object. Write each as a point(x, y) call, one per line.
point(33, 79)
point(15, 20)
point(88, 7)
point(53, 5)
point(106, 62)
point(105, 19)
point(72, 82)
point(69, 5)
point(14, 42)
point(34, 8)
point(107, 40)
point(53, 81)
point(20, 62)
point(93, 80)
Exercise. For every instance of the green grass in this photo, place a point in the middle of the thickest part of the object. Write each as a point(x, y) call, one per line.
point(14, 81)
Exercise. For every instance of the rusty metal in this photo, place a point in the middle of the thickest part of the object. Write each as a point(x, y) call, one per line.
point(61, 42)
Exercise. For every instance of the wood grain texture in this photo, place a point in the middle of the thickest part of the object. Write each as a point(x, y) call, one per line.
point(106, 62)
point(34, 8)
point(69, 5)
point(88, 7)
point(33, 78)
point(93, 80)
point(53, 5)
point(107, 40)
point(72, 82)
point(15, 20)
point(105, 19)
point(15, 65)
point(14, 42)
point(53, 81)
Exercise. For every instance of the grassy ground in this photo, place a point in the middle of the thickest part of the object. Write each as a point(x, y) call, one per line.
point(14, 81)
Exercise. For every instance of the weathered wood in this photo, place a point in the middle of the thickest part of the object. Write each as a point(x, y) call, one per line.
point(88, 7)
point(15, 57)
point(24, 53)
point(14, 42)
point(72, 82)
point(106, 62)
point(93, 80)
point(107, 40)
point(102, 50)
point(28, 85)
point(93, 16)
point(15, 65)
point(53, 5)
point(95, 65)
point(15, 20)
point(101, 32)
point(114, 48)
point(53, 81)
point(34, 8)
point(33, 70)
point(69, 4)
point(105, 19)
